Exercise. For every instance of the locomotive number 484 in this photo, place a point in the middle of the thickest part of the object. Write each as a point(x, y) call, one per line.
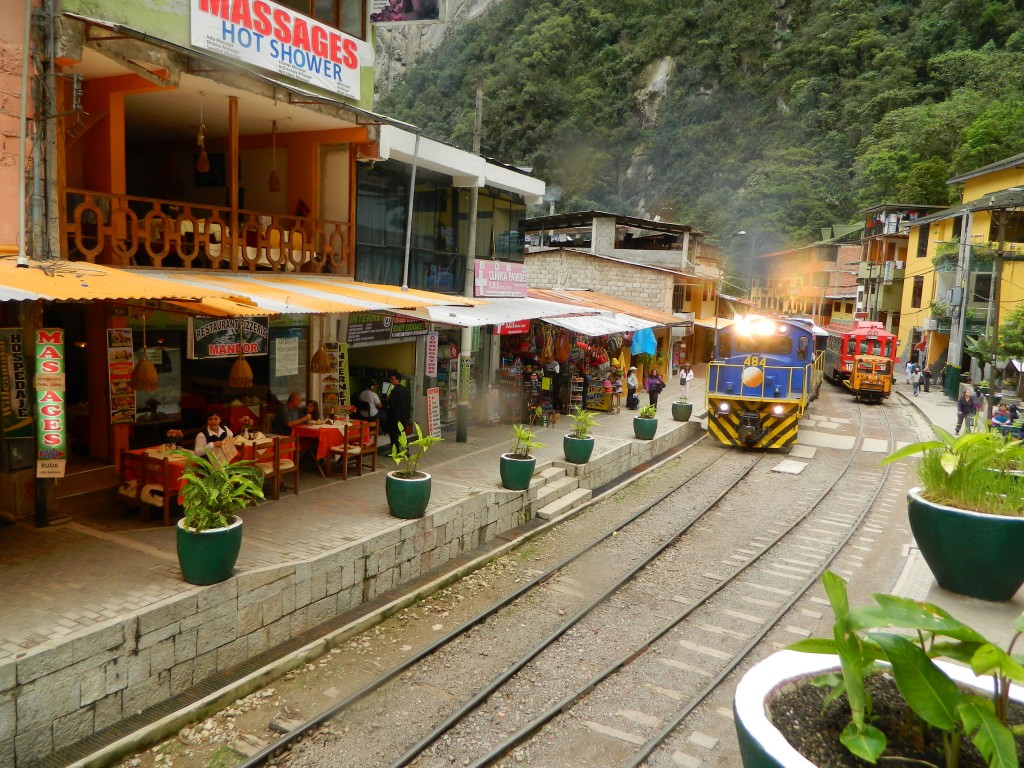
point(755, 360)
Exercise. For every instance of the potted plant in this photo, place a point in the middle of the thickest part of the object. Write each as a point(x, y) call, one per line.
point(210, 533)
point(406, 488)
point(517, 465)
point(578, 445)
point(645, 423)
point(966, 515)
point(930, 708)
point(682, 409)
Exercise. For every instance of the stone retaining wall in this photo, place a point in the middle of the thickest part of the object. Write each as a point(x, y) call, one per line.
point(56, 696)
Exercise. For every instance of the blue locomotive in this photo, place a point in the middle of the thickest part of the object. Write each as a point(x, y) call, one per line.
point(765, 373)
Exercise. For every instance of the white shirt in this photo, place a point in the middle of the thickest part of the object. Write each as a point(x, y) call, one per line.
point(201, 440)
point(369, 396)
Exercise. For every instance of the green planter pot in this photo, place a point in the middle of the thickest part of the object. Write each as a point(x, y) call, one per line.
point(761, 743)
point(516, 473)
point(577, 450)
point(682, 411)
point(644, 429)
point(407, 496)
point(209, 556)
point(969, 553)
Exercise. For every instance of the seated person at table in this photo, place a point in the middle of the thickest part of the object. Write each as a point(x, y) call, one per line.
point(213, 435)
point(313, 409)
point(368, 404)
point(290, 414)
point(1001, 418)
point(1014, 410)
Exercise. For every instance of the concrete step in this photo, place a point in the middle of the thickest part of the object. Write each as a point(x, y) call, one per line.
point(546, 475)
point(565, 503)
point(555, 489)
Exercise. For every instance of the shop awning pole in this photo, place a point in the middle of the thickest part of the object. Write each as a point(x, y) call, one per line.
point(465, 352)
point(408, 217)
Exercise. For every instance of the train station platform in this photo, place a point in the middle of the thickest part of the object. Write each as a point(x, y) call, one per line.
point(97, 624)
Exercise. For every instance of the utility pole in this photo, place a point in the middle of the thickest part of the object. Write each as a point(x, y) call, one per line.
point(465, 351)
point(951, 385)
point(997, 276)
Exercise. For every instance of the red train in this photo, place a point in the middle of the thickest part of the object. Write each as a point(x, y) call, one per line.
point(862, 338)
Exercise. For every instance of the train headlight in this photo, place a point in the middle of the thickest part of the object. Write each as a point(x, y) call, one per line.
point(724, 408)
point(778, 410)
point(783, 329)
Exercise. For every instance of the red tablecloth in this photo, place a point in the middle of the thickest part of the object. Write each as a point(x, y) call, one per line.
point(325, 437)
point(176, 468)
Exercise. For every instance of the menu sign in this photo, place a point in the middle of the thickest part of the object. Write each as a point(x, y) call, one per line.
point(120, 364)
point(16, 407)
point(366, 327)
point(434, 411)
point(219, 336)
point(51, 407)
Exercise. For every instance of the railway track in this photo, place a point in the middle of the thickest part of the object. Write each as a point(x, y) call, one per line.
point(779, 563)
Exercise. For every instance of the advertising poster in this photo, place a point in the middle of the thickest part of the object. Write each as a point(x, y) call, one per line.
point(404, 11)
point(434, 411)
point(336, 390)
point(218, 336)
point(366, 327)
point(51, 408)
point(120, 364)
point(432, 342)
point(16, 406)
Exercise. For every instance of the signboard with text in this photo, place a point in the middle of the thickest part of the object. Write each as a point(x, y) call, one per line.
point(498, 278)
point(401, 12)
point(432, 343)
point(366, 327)
point(278, 39)
point(336, 389)
point(14, 384)
point(434, 411)
point(219, 336)
point(120, 364)
point(51, 405)
point(510, 329)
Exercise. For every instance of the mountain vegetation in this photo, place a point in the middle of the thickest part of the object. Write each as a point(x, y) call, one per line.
point(776, 118)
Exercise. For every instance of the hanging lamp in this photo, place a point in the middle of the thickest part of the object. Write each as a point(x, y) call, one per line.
point(144, 376)
point(321, 361)
point(275, 183)
point(203, 160)
point(240, 376)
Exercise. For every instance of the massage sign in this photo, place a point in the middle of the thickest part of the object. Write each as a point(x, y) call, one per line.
point(276, 38)
point(51, 437)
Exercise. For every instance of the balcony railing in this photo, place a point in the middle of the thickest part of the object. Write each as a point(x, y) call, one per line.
point(123, 230)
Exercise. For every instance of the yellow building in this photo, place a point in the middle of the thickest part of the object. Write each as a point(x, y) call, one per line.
point(949, 282)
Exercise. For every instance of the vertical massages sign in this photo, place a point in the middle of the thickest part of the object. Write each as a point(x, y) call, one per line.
point(276, 38)
point(51, 437)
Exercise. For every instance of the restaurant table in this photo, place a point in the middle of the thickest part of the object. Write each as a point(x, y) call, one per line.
point(176, 467)
point(317, 440)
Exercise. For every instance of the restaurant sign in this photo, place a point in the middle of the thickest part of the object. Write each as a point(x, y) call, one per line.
point(512, 329)
point(211, 337)
point(278, 39)
point(51, 406)
point(17, 408)
point(498, 278)
point(378, 326)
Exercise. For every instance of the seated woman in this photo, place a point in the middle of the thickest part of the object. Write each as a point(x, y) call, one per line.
point(313, 410)
point(212, 435)
point(1001, 419)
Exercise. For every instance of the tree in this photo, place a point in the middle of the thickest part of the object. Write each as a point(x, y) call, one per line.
point(1011, 339)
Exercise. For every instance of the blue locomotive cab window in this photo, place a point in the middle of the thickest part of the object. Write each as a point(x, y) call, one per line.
point(760, 345)
point(801, 348)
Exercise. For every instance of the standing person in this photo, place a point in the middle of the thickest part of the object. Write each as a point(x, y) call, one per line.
point(368, 404)
point(631, 385)
point(654, 386)
point(915, 379)
point(212, 436)
point(926, 377)
point(399, 409)
point(616, 391)
point(290, 415)
point(685, 377)
point(964, 411)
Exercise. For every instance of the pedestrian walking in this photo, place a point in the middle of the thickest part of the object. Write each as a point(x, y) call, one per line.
point(654, 386)
point(964, 411)
point(926, 377)
point(685, 377)
point(915, 379)
point(632, 401)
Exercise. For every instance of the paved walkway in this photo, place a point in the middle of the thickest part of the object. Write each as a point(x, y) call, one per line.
point(60, 581)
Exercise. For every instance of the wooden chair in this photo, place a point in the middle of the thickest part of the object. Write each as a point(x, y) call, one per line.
point(145, 482)
point(360, 443)
point(285, 462)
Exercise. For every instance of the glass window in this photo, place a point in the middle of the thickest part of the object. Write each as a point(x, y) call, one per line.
point(982, 287)
point(922, 241)
point(915, 296)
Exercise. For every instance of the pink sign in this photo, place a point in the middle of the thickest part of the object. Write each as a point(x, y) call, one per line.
point(432, 355)
point(498, 278)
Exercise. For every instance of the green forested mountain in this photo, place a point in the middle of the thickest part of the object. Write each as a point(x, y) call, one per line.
point(778, 116)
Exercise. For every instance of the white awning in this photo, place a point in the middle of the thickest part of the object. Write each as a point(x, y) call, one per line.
point(601, 325)
point(497, 312)
point(709, 322)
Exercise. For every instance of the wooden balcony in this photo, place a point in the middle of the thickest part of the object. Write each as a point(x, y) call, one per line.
point(122, 230)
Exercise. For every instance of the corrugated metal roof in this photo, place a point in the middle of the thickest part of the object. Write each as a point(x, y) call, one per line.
point(600, 325)
point(602, 301)
point(500, 310)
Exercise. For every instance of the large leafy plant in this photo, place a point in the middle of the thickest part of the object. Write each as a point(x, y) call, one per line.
point(970, 471)
point(213, 491)
point(525, 441)
point(583, 422)
point(647, 412)
point(406, 463)
point(923, 632)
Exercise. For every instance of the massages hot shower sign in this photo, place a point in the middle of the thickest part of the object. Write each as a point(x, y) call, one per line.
point(51, 403)
point(277, 38)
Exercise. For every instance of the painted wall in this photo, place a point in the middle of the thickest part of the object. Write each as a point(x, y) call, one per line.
point(11, 60)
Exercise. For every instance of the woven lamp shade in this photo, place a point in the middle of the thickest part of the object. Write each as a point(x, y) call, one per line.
point(144, 378)
point(240, 376)
point(321, 362)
